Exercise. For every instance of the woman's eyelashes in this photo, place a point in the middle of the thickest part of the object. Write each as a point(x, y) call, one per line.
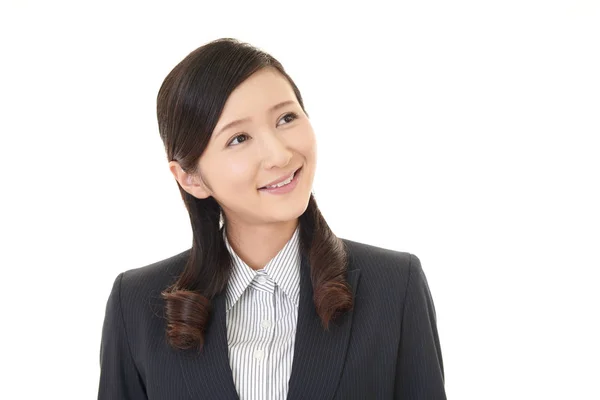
point(293, 116)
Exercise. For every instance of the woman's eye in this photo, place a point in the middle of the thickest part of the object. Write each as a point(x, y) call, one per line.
point(289, 117)
point(237, 136)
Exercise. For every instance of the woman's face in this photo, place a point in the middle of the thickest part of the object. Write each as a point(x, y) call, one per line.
point(270, 143)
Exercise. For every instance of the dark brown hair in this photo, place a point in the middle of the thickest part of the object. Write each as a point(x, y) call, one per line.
point(189, 104)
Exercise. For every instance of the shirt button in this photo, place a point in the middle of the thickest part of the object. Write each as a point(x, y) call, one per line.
point(259, 354)
point(261, 279)
point(266, 323)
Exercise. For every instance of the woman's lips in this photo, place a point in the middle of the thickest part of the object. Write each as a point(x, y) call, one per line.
point(282, 180)
point(285, 188)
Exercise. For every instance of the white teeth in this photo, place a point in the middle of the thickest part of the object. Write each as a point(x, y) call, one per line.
point(282, 183)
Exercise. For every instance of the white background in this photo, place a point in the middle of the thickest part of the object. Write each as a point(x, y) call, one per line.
point(465, 132)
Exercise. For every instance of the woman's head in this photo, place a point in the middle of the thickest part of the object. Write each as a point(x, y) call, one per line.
point(220, 168)
point(218, 84)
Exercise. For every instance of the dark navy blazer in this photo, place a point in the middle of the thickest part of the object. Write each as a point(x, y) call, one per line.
point(387, 347)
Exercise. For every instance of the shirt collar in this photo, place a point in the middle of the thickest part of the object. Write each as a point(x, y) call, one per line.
point(284, 269)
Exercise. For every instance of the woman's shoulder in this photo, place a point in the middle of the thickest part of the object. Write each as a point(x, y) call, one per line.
point(380, 261)
point(384, 271)
point(159, 269)
point(152, 278)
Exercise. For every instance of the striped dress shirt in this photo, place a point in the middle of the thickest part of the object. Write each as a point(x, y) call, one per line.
point(261, 318)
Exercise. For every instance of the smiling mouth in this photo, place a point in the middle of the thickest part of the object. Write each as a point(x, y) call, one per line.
point(293, 177)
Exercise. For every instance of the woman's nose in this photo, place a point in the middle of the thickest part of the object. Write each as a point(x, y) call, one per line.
point(275, 151)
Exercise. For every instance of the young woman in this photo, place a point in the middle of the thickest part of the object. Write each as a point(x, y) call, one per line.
point(267, 303)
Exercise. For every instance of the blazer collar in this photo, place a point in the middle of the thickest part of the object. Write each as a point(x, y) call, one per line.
point(319, 355)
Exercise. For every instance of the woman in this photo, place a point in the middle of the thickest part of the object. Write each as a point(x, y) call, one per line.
point(267, 303)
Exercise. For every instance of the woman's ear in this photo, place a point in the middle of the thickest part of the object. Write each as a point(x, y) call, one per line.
point(191, 183)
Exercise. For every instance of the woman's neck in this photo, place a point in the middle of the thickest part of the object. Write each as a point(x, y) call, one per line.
point(256, 245)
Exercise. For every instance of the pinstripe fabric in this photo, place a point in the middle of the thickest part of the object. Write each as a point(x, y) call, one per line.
point(261, 318)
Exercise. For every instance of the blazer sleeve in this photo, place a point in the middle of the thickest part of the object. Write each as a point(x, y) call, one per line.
point(419, 370)
point(119, 377)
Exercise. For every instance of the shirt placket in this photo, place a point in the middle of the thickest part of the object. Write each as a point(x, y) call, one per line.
point(266, 323)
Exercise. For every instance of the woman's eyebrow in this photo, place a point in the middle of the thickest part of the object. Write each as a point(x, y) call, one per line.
point(242, 120)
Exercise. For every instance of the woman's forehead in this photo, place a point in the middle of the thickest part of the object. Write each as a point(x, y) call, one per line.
point(258, 95)
point(259, 92)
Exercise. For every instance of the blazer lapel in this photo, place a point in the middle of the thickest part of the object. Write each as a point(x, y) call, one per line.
point(319, 355)
point(208, 374)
